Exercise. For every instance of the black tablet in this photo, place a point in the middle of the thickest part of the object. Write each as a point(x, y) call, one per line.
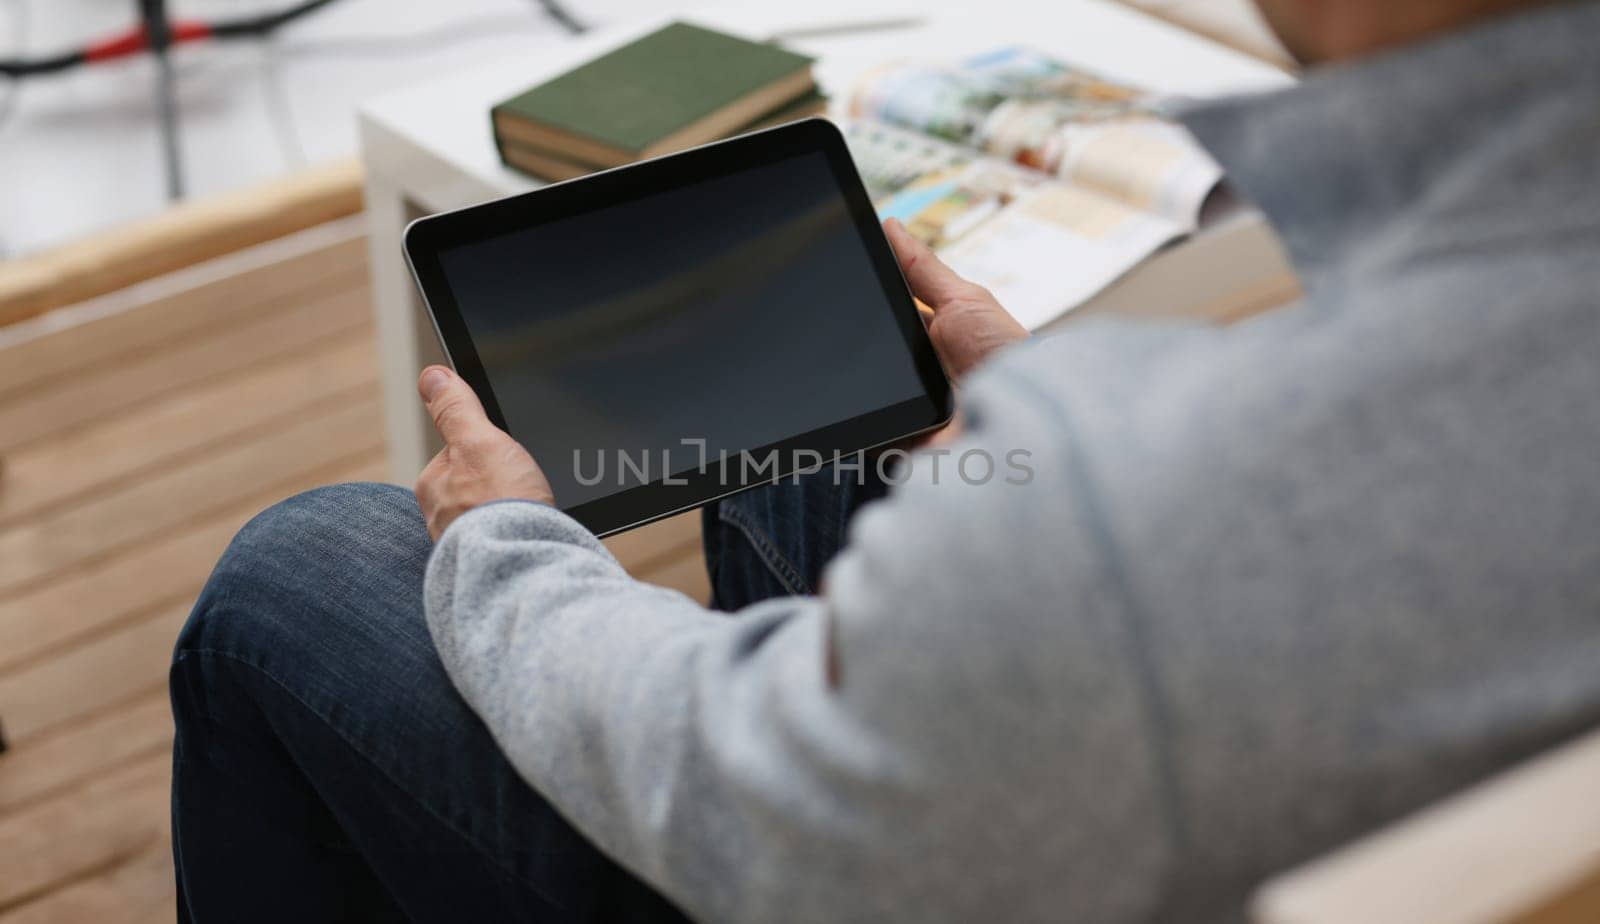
point(667, 333)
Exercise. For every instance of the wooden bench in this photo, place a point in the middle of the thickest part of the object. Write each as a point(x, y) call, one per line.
point(1521, 848)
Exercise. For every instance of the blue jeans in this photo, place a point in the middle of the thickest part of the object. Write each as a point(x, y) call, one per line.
point(325, 769)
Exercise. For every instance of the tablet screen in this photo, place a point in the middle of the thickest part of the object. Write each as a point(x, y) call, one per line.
point(713, 318)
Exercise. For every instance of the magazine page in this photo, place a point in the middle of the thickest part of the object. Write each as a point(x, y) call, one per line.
point(1040, 245)
point(1025, 107)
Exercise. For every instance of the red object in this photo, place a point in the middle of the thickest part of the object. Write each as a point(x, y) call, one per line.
point(137, 39)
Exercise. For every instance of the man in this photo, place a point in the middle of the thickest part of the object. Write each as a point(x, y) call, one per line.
point(1270, 587)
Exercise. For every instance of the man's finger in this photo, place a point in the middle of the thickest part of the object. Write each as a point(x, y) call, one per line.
point(930, 279)
point(455, 409)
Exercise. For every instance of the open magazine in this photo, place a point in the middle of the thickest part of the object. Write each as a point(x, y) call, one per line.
point(1028, 176)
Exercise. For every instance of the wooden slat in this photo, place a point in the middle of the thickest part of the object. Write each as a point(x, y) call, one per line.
point(69, 754)
point(48, 472)
point(84, 832)
point(180, 237)
point(640, 548)
point(108, 669)
point(167, 499)
point(143, 576)
point(137, 891)
point(95, 394)
point(206, 299)
point(65, 759)
point(685, 573)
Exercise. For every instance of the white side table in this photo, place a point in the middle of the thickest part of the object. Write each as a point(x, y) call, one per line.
point(428, 148)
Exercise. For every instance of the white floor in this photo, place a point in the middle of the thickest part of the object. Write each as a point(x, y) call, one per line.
point(79, 150)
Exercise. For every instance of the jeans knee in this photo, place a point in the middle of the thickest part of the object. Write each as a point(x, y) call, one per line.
point(288, 569)
point(333, 520)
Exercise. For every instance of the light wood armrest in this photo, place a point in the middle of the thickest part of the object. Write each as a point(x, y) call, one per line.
point(181, 236)
point(1521, 848)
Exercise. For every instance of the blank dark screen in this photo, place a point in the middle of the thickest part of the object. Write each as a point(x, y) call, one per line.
point(741, 310)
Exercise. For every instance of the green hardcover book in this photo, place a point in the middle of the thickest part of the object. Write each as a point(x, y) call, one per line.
point(549, 165)
point(679, 86)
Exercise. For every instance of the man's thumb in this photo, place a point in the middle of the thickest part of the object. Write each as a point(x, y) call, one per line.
point(455, 409)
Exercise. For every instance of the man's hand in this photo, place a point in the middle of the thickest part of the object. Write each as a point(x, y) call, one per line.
point(968, 324)
point(479, 462)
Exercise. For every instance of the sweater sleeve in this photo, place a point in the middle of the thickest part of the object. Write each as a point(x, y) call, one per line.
point(947, 733)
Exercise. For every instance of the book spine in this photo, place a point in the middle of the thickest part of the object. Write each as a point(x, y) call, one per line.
point(499, 141)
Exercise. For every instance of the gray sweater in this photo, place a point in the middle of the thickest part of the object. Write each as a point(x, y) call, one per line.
point(1269, 587)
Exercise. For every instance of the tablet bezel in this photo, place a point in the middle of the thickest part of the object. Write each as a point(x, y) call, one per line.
point(426, 238)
